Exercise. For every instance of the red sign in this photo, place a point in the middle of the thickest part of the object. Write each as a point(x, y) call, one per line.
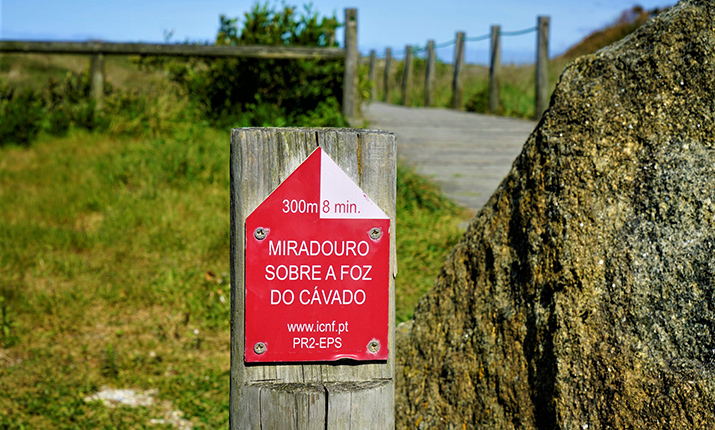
point(317, 270)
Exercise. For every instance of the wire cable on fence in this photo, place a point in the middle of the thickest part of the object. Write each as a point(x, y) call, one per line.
point(518, 32)
point(477, 38)
point(445, 44)
point(419, 49)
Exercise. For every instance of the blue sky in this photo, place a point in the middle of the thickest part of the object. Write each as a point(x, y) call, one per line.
point(380, 23)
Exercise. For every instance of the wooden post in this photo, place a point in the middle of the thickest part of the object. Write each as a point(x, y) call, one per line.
point(407, 77)
point(457, 82)
point(430, 74)
point(388, 60)
point(494, 67)
point(350, 80)
point(329, 395)
point(542, 64)
point(371, 76)
point(97, 80)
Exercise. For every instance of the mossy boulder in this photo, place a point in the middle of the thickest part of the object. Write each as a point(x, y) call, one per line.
point(582, 295)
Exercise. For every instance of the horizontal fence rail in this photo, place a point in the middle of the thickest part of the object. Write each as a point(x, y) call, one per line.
point(541, 99)
point(158, 49)
point(99, 49)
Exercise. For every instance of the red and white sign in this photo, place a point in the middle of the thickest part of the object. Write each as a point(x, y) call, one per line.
point(317, 270)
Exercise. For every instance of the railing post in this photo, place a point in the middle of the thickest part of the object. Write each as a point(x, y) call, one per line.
point(430, 74)
point(494, 68)
point(97, 80)
point(457, 81)
point(388, 60)
point(542, 71)
point(371, 76)
point(350, 80)
point(407, 77)
point(323, 392)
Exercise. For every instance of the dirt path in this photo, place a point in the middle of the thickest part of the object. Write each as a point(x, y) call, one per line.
point(467, 154)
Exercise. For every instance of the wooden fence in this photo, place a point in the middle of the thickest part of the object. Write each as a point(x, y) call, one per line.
point(542, 55)
point(99, 49)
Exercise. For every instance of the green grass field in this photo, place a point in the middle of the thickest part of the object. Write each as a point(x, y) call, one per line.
point(114, 253)
point(114, 262)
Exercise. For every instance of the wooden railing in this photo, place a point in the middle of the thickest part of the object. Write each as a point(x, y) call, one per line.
point(99, 49)
point(542, 90)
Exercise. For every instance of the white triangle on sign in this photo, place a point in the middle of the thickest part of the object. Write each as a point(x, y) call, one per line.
point(340, 197)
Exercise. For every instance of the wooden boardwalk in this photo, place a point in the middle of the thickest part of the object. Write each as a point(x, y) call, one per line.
point(467, 154)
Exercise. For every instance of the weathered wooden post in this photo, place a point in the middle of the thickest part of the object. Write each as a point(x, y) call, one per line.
point(542, 67)
point(312, 279)
point(494, 68)
point(371, 76)
point(350, 79)
point(457, 81)
point(388, 60)
point(407, 77)
point(430, 74)
point(96, 89)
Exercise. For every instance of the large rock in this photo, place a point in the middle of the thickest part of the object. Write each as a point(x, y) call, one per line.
point(583, 294)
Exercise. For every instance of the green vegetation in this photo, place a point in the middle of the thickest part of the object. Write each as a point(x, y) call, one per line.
point(428, 227)
point(517, 90)
point(115, 228)
point(258, 92)
point(517, 86)
point(113, 272)
point(115, 232)
point(37, 94)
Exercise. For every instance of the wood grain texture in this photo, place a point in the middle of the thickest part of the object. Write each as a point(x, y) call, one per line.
point(359, 406)
point(261, 158)
point(430, 75)
point(387, 83)
point(458, 79)
point(350, 79)
point(371, 75)
point(97, 80)
point(407, 76)
point(542, 67)
point(466, 154)
point(494, 69)
point(158, 49)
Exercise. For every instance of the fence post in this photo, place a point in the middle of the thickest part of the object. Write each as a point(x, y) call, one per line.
point(388, 60)
point(430, 74)
point(494, 67)
point(457, 81)
point(97, 83)
point(542, 64)
point(407, 77)
point(371, 76)
point(310, 394)
point(350, 80)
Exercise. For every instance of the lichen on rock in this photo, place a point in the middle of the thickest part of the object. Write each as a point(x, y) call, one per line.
point(583, 293)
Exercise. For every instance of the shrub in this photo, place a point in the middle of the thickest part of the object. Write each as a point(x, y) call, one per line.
point(21, 113)
point(262, 92)
point(479, 102)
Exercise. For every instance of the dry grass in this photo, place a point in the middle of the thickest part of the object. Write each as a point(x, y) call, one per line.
point(31, 70)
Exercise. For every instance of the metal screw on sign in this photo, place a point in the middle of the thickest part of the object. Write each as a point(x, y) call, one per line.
point(260, 233)
point(375, 233)
point(373, 346)
point(259, 348)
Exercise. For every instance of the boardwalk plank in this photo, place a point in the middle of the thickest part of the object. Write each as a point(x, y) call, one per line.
point(466, 154)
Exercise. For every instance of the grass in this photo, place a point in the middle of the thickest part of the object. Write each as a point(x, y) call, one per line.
point(114, 250)
point(106, 250)
point(114, 273)
point(517, 89)
point(428, 227)
point(27, 70)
